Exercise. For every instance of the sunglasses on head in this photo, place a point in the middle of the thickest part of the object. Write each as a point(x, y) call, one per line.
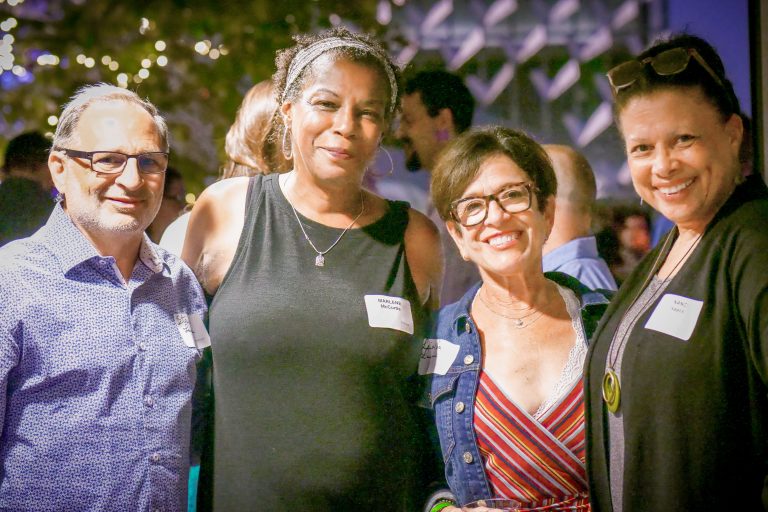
point(666, 63)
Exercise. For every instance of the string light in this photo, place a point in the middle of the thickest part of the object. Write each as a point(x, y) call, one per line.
point(160, 46)
point(48, 59)
point(89, 62)
point(122, 80)
point(145, 63)
point(143, 73)
point(53, 120)
point(106, 60)
point(113, 66)
point(8, 25)
point(214, 54)
point(80, 59)
point(203, 47)
point(162, 61)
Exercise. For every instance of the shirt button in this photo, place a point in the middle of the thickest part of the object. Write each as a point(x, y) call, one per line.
point(468, 458)
point(142, 346)
point(149, 401)
point(469, 359)
point(155, 457)
point(459, 408)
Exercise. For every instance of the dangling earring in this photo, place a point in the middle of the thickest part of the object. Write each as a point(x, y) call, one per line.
point(641, 201)
point(391, 165)
point(286, 146)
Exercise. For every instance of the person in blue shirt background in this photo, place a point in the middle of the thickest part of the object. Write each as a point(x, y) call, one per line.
point(571, 248)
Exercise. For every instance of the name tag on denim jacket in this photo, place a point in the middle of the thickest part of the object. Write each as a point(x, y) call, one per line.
point(192, 330)
point(389, 312)
point(437, 356)
point(675, 315)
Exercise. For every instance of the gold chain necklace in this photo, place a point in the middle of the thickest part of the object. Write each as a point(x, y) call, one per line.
point(611, 386)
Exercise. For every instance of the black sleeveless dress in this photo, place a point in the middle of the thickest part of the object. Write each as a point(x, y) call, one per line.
point(314, 407)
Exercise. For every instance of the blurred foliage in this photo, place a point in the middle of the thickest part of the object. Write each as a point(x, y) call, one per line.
point(198, 95)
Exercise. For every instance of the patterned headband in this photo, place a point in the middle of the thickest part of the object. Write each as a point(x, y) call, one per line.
point(311, 52)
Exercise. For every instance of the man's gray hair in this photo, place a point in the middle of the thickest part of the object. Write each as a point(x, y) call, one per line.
point(87, 95)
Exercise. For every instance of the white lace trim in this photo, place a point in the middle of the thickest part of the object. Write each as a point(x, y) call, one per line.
point(574, 366)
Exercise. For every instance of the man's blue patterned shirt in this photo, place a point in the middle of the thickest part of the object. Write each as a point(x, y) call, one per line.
point(96, 375)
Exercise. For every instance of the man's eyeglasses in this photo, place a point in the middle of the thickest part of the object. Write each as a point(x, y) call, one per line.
point(666, 63)
point(471, 211)
point(113, 162)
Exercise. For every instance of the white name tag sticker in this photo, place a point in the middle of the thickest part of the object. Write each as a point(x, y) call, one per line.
point(389, 312)
point(675, 315)
point(192, 330)
point(437, 356)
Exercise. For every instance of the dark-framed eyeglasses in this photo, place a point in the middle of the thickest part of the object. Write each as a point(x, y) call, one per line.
point(666, 63)
point(113, 162)
point(471, 211)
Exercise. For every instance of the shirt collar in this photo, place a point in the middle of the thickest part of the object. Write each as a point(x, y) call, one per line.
point(71, 248)
point(584, 247)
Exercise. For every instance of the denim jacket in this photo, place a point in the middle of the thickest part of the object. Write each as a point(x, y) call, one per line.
point(451, 394)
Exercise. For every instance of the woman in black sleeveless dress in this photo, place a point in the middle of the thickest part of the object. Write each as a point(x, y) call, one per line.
point(321, 292)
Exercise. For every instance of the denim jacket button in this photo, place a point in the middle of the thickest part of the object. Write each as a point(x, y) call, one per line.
point(469, 359)
point(467, 327)
point(459, 408)
point(468, 458)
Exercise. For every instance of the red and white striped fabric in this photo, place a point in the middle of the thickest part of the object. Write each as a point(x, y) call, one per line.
point(539, 462)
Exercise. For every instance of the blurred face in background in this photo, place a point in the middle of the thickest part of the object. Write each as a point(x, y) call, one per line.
point(635, 234)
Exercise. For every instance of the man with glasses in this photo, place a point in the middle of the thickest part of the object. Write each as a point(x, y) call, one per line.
point(100, 329)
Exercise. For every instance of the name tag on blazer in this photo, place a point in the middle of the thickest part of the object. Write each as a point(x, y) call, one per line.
point(675, 315)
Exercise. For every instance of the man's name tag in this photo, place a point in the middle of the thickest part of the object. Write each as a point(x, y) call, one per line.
point(192, 330)
point(675, 315)
point(389, 312)
point(437, 356)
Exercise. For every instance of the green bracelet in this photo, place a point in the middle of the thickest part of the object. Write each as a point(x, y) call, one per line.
point(440, 505)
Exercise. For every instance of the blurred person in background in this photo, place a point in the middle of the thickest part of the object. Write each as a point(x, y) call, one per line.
point(172, 205)
point(437, 106)
point(250, 147)
point(571, 248)
point(25, 192)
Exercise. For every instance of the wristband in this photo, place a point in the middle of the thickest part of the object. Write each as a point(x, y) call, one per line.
point(440, 505)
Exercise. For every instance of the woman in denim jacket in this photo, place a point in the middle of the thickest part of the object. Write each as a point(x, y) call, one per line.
point(505, 362)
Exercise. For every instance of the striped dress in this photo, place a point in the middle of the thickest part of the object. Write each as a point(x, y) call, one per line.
point(536, 459)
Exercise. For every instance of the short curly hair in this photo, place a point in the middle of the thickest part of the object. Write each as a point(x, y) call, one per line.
point(376, 59)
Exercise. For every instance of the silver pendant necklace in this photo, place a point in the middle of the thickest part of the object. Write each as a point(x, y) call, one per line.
point(320, 258)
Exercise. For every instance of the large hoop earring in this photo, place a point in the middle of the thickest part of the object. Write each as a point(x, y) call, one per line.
point(286, 146)
point(391, 165)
